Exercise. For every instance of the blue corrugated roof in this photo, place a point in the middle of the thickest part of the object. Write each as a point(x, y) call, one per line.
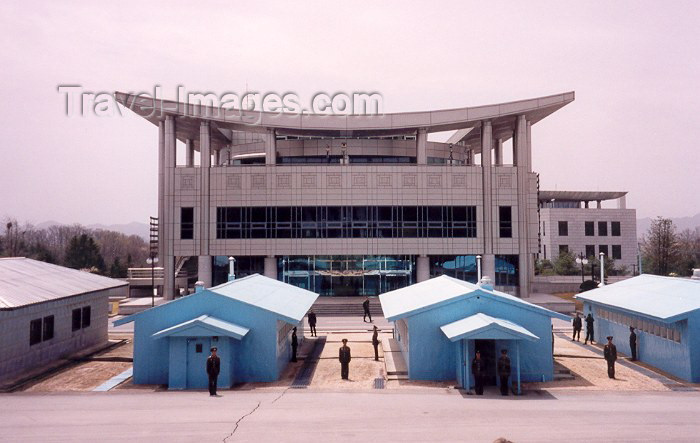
point(212, 324)
point(482, 326)
point(666, 298)
point(427, 294)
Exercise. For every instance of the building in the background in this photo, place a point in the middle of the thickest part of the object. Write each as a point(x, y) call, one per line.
point(49, 312)
point(442, 322)
point(666, 314)
point(575, 221)
point(348, 204)
point(249, 320)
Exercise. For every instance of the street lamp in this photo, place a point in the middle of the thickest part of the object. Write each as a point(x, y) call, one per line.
point(231, 269)
point(478, 268)
point(602, 268)
point(581, 260)
point(152, 260)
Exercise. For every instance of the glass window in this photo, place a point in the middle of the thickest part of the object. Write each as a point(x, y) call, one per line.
point(563, 228)
point(602, 228)
point(186, 223)
point(86, 317)
point(589, 228)
point(507, 270)
point(676, 335)
point(615, 228)
point(603, 249)
point(34, 332)
point(590, 251)
point(48, 328)
point(617, 252)
point(505, 222)
point(563, 249)
point(76, 319)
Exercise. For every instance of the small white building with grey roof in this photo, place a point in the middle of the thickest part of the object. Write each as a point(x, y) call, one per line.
point(48, 312)
point(665, 312)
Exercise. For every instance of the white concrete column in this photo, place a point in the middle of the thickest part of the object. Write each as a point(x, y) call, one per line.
point(271, 267)
point(189, 152)
point(422, 268)
point(622, 202)
point(598, 204)
point(498, 152)
point(204, 209)
point(486, 141)
point(168, 221)
point(270, 147)
point(520, 148)
point(204, 270)
point(161, 187)
point(488, 266)
point(217, 157)
point(422, 146)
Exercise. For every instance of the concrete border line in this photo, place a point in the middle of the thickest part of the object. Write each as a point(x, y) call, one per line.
point(115, 381)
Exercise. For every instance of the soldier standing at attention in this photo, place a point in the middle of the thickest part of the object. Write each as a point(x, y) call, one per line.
point(478, 371)
point(610, 354)
point(365, 309)
point(312, 323)
point(504, 371)
point(578, 325)
point(633, 343)
point(213, 368)
point(589, 329)
point(375, 343)
point(295, 343)
point(344, 357)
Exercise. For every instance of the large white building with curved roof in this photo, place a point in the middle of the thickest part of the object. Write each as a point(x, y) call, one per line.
point(348, 204)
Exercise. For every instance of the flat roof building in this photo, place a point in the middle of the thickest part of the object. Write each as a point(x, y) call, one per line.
point(666, 314)
point(48, 312)
point(348, 204)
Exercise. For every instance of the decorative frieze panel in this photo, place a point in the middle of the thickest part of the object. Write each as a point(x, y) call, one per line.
point(284, 180)
point(434, 181)
point(409, 181)
point(308, 180)
point(505, 181)
point(333, 181)
point(233, 181)
point(459, 180)
point(384, 180)
point(359, 181)
point(187, 181)
point(257, 181)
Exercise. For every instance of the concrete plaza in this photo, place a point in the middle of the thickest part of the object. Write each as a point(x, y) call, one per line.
point(297, 415)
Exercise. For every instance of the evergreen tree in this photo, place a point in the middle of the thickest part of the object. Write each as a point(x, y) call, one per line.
point(83, 253)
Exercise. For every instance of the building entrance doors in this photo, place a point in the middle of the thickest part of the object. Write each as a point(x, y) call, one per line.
point(197, 354)
point(488, 354)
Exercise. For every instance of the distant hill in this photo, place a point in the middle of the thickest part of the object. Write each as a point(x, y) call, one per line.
point(133, 228)
point(682, 223)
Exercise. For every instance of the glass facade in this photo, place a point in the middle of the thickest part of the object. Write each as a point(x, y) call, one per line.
point(346, 222)
point(462, 267)
point(244, 266)
point(348, 275)
point(506, 270)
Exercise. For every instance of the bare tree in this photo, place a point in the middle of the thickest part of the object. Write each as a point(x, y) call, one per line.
point(660, 247)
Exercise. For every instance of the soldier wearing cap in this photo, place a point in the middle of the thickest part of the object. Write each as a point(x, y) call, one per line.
point(344, 357)
point(295, 344)
point(633, 343)
point(375, 343)
point(610, 354)
point(213, 368)
point(478, 369)
point(503, 367)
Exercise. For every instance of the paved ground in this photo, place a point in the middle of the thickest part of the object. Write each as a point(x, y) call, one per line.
point(290, 415)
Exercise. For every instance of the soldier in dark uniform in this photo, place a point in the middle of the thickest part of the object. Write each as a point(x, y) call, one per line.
point(375, 343)
point(295, 343)
point(504, 371)
point(578, 325)
point(589, 329)
point(365, 309)
point(213, 368)
point(633, 343)
point(312, 323)
point(344, 357)
point(478, 371)
point(610, 354)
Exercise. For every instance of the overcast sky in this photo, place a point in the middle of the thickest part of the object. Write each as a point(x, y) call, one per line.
point(634, 66)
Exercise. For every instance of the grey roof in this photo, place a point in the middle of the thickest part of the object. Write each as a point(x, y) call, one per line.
point(665, 298)
point(284, 299)
point(24, 281)
point(580, 196)
point(480, 326)
point(436, 291)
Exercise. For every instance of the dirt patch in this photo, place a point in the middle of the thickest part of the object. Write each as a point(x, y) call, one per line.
point(569, 296)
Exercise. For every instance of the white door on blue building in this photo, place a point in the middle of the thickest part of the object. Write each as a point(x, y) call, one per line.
point(197, 354)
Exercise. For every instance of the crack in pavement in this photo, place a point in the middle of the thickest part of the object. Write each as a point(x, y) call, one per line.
point(235, 428)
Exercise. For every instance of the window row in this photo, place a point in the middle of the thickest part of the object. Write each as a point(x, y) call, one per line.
point(81, 318)
point(346, 222)
point(590, 251)
point(589, 228)
point(40, 329)
point(648, 327)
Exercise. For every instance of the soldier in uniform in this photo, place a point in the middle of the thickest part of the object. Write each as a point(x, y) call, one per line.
point(610, 354)
point(478, 371)
point(344, 357)
point(312, 323)
point(633, 343)
point(213, 368)
point(295, 343)
point(578, 325)
point(375, 343)
point(589, 329)
point(504, 371)
point(365, 309)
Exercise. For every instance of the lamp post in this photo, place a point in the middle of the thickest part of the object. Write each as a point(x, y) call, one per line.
point(231, 269)
point(581, 260)
point(602, 268)
point(152, 260)
point(478, 268)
